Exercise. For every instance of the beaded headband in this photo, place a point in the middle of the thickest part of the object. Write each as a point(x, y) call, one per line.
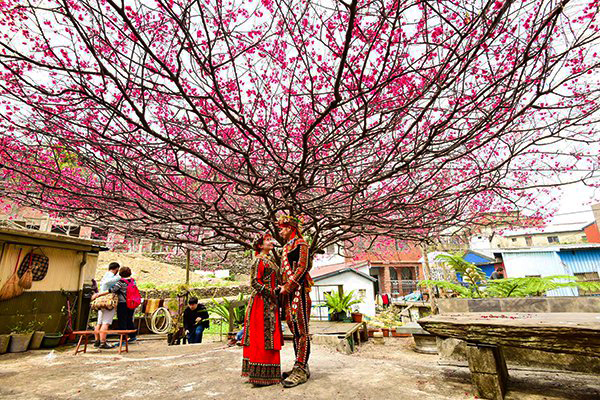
point(290, 220)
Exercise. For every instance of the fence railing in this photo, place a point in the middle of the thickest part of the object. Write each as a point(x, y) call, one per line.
point(402, 288)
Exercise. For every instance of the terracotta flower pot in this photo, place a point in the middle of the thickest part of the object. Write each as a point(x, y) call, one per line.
point(357, 317)
point(386, 332)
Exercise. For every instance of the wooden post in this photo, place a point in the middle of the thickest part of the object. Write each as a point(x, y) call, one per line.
point(187, 267)
point(432, 301)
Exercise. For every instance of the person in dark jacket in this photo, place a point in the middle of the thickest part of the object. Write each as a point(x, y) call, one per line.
point(195, 320)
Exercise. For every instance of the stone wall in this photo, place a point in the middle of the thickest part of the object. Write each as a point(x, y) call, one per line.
point(201, 293)
point(454, 350)
point(521, 304)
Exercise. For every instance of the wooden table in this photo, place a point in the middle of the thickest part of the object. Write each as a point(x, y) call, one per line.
point(486, 333)
point(123, 338)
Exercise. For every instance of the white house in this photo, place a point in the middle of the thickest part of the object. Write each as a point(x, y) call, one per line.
point(350, 276)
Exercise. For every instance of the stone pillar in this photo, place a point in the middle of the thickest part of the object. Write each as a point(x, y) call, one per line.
point(488, 370)
point(399, 280)
point(385, 286)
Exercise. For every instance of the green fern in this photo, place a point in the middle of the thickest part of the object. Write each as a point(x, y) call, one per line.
point(461, 290)
point(339, 303)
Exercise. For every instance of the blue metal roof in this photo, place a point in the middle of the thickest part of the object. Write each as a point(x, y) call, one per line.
point(477, 259)
point(580, 261)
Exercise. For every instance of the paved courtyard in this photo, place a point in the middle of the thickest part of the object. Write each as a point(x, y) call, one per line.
point(152, 370)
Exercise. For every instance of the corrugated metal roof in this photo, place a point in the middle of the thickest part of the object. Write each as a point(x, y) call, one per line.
point(546, 249)
point(542, 263)
point(582, 260)
point(478, 258)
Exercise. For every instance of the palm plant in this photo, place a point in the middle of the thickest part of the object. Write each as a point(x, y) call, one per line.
point(222, 309)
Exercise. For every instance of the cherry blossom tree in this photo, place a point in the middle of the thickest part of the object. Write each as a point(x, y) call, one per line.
point(201, 121)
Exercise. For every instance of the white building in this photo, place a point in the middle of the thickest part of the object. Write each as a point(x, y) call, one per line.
point(351, 276)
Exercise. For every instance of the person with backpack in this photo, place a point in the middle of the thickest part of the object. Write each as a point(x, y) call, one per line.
point(129, 299)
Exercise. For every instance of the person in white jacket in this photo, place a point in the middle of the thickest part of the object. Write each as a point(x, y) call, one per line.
point(105, 317)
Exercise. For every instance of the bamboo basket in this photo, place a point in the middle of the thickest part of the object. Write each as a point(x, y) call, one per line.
point(26, 279)
point(11, 287)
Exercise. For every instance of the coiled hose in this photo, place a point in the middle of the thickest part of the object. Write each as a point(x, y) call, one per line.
point(160, 321)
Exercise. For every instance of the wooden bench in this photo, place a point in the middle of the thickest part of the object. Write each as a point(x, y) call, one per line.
point(123, 338)
point(486, 333)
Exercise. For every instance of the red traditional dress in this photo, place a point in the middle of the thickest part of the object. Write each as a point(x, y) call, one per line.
point(262, 330)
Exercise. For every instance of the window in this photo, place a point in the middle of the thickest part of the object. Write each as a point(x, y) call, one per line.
point(553, 239)
point(362, 293)
point(528, 241)
point(514, 239)
point(588, 277)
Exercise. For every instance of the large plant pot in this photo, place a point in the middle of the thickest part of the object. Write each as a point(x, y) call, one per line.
point(338, 316)
point(19, 342)
point(51, 340)
point(4, 341)
point(36, 340)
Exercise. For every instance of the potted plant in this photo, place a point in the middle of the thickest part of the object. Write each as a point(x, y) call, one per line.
point(356, 315)
point(4, 341)
point(36, 326)
point(51, 340)
point(20, 336)
point(37, 337)
point(340, 304)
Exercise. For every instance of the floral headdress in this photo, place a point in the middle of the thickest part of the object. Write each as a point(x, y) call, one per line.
point(259, 240)
point(291, 220)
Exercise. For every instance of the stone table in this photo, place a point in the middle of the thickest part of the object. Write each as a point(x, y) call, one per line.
point(486, 333)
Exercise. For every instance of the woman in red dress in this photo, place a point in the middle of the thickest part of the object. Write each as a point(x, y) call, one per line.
point(262, 338)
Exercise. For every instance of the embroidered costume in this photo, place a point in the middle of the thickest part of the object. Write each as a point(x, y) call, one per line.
point(262, 338)
point(296, 303)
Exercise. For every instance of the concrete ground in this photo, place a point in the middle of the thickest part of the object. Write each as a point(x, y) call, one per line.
point(152, 370)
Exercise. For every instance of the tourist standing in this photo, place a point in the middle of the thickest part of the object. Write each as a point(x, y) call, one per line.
point(124, 312)
point(105, 316)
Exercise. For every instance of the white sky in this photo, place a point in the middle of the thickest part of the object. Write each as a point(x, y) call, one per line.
point(575, 203)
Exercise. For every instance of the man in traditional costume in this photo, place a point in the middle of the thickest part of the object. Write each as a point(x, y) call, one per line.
point(295, 296)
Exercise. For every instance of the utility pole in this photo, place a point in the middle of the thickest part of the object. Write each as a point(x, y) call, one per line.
point(187, 266)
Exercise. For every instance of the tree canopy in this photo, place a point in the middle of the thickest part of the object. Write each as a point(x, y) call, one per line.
point(200, 121)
